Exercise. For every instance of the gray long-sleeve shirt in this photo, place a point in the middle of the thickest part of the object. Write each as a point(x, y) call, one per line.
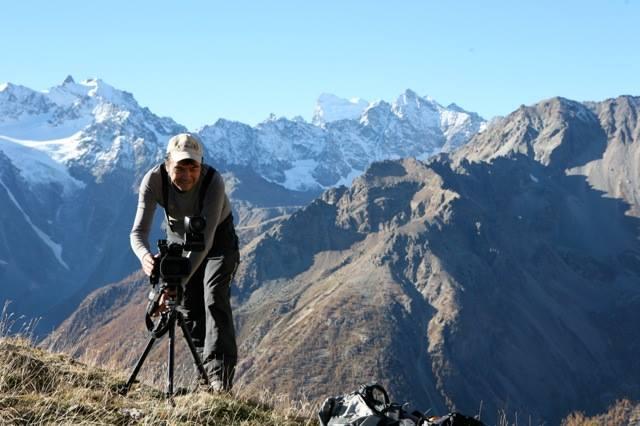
point(215, 208)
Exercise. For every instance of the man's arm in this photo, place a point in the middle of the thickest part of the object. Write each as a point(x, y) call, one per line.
point(139, 236)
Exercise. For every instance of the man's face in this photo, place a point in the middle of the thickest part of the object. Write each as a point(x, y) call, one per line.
point(184, 174)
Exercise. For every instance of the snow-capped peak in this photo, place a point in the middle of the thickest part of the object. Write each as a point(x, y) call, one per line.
point(92, 125)
point(70, 93)
point(89, 123)
point(410, 99)
point(332, 108)
point(455, 107)
point(408, 96)
point(16, 91)
point(411, 107)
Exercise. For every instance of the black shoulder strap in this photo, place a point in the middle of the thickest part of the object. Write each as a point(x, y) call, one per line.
point(165, 193)
point(165, 186)
point(205, 185)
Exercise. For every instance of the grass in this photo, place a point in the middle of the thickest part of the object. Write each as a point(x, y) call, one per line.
point(41, 388)
point(38, 387)
point(622, 413)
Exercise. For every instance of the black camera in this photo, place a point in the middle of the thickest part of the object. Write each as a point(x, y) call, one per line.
point(171, 266)
point(194, 233)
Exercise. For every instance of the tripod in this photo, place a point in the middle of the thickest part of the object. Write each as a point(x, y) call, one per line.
point(166, 323)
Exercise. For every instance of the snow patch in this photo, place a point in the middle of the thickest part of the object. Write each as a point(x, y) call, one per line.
point(55, 247)
point(42, 165)
point(299, 176)
point(109, 112)
point(39, 127)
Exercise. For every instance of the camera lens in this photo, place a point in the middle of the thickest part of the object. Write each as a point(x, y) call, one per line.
point(194, 224)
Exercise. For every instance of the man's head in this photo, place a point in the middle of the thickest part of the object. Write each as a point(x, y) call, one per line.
point(184, 161)
point(184, 146)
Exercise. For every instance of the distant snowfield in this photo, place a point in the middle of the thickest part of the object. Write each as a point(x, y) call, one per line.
point(299, 176)
point(41, 162)
point(39, 128)
point(55, 247)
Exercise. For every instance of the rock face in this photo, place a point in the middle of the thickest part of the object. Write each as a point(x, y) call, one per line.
point(597, 140)
point(504, 275)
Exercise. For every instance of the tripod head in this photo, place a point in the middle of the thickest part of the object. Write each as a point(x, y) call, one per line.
point(169, 270)
point(171, 266)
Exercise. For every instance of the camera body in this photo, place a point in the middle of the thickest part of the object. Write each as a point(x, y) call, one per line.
point(194, 233)
point(171, 266)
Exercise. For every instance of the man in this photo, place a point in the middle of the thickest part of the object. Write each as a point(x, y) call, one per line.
point(205, 303)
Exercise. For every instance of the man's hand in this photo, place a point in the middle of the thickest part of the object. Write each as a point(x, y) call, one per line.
point(166, 295)
point(148, 261)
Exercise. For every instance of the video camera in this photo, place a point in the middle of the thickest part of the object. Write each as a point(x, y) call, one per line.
point(171, 266)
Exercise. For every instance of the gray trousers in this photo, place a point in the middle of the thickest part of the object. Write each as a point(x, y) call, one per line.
point(206, 307)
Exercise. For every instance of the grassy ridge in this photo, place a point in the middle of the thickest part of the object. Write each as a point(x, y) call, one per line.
point(622, 413)
point(38, 387)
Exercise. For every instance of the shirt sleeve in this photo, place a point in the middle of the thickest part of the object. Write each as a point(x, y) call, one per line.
point(147, 202)
point(211, 210)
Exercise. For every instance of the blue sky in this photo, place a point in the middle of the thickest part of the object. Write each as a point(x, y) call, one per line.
point(202, 60)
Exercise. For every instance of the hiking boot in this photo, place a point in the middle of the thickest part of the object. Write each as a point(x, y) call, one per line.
point(216, 386)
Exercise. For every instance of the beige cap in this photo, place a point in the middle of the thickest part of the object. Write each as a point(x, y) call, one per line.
point(183, 146)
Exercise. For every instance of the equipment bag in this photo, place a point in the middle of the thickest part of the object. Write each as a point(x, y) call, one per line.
point(370, 406)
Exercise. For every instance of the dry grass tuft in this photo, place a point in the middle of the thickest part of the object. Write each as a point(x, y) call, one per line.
point(622, 413)
point(38, 387)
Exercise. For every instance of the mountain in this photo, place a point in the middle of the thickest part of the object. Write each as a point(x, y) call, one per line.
point(610, 160)
point(67, 155)
point(343, 140)
point(332, 108)
point(503, 276)
point(71, 159)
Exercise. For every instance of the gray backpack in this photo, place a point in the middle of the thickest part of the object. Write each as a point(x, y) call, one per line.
point(370, 406)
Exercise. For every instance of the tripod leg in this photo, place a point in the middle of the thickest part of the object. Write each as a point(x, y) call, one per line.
point(172, 339)
point(192, 348)
point(136, 369)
